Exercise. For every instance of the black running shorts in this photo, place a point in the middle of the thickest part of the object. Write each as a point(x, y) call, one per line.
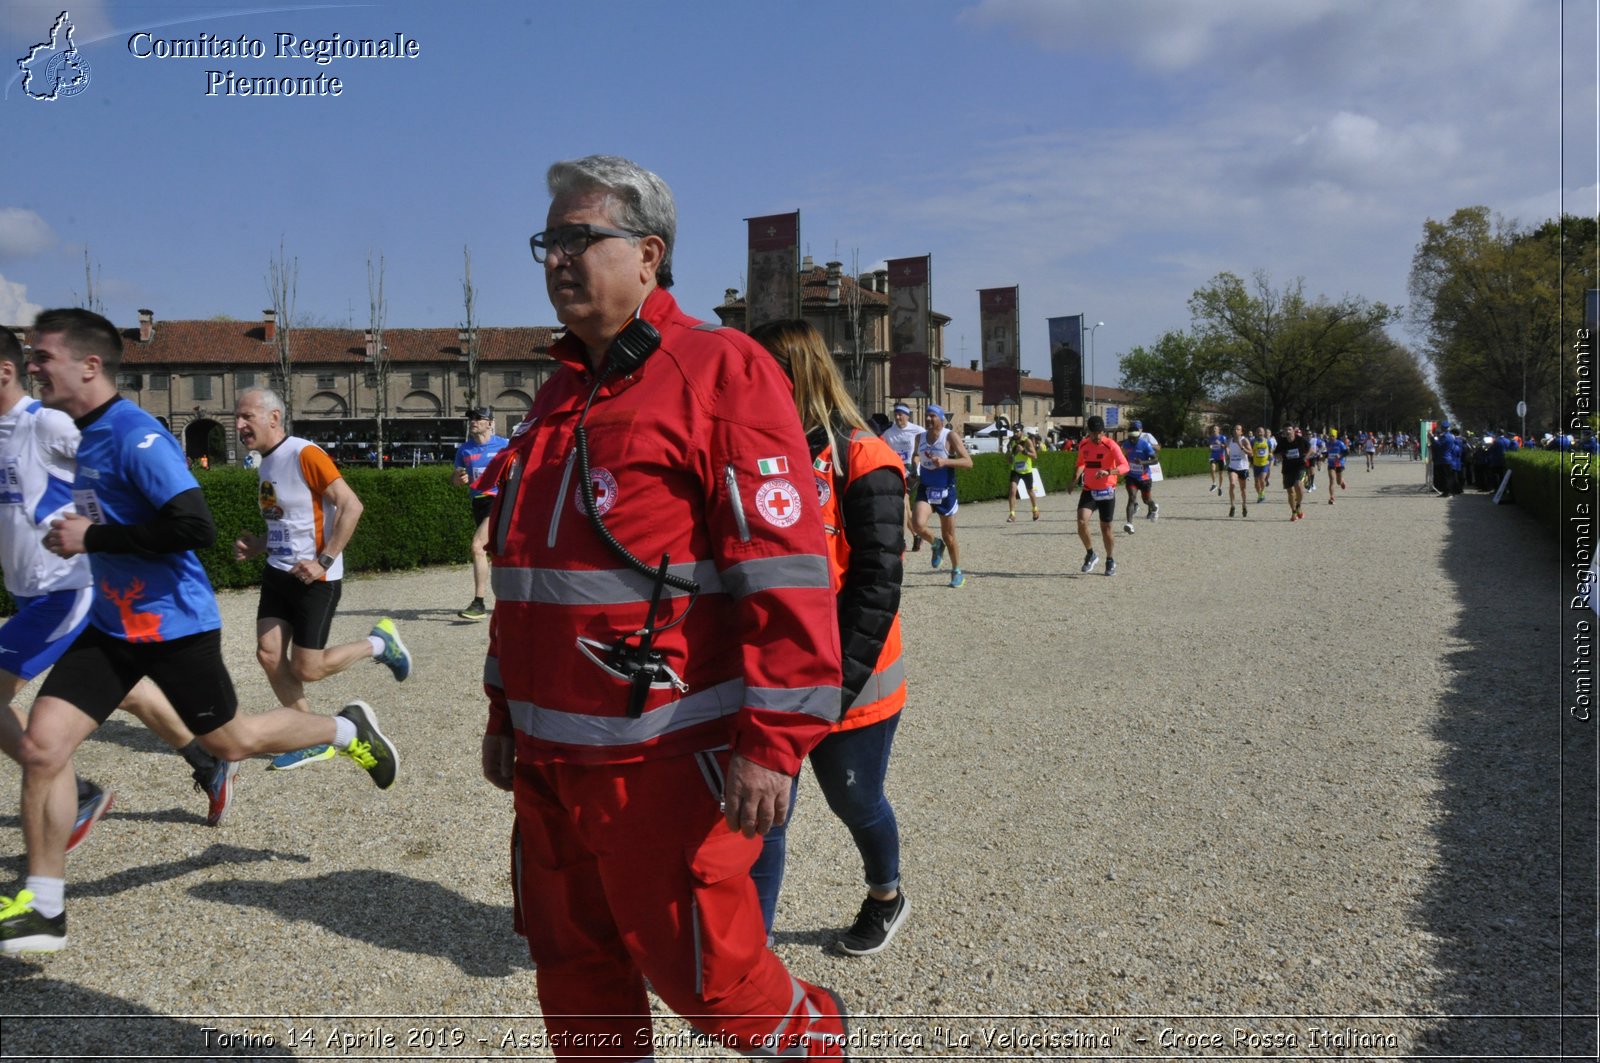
point(307, 608)
point(1106, 506)
point(96, 673)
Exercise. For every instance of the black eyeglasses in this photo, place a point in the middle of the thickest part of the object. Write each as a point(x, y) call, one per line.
point(574, 240)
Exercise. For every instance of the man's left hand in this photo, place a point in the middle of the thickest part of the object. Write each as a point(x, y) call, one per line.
point(308, 572)
point(754, 799)
point(65, 537)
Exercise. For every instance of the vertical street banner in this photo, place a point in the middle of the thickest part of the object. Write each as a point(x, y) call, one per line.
point(773, 289)
point(1002, 360)
point(1066, 364)
point(910, 302)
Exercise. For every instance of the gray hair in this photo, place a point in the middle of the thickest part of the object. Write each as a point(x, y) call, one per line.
point(266, 398)
point(644, 202)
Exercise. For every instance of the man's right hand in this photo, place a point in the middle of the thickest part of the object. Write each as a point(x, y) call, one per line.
point(461, 477)
point(244, 547)
point(499, 760)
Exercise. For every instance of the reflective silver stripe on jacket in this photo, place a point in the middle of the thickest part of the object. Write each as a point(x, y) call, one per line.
point(821, 702)
point(610, 586)
point(621, 586)
point(881, 684)
point(578, 729)
point(794, 571)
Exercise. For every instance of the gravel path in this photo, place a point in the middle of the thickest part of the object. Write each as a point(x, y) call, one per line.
point(1271, 779)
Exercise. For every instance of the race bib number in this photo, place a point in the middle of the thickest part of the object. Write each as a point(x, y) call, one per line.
point(87, 503)
point(10, 484)
point(278, 541)
point(1020, 466)
point(937, 494)
point(1102, 493)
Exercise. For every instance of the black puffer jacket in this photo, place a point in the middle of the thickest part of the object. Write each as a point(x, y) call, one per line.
point(873, 509)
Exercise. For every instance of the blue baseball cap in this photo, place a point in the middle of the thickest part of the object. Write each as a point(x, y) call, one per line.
point(939, 410)
point(1137, 426)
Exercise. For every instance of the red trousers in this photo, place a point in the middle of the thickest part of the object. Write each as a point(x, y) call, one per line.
point(627, 872)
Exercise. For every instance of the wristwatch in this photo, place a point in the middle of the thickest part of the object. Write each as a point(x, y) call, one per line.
point(325, 560)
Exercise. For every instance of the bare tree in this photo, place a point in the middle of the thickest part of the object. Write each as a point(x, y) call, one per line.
point(377, 353)
point(469, 332)
point(858, 348)
point(283, 283)
point(91, 297)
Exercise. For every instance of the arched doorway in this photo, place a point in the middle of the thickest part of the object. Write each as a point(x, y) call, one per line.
point(204, 438)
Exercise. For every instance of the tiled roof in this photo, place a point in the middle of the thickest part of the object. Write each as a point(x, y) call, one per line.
point(956, 377)
point(243, 343)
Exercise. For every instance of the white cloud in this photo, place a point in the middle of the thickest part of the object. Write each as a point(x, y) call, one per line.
point(23, 233)
point(15, 309)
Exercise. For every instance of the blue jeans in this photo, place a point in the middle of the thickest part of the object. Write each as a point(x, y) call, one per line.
point(850, 767)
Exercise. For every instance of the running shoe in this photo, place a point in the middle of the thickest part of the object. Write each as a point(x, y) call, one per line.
point(23, 929)
point(916, 543)
point(91, 806)
point(1231, 510)
point(1261, 497)
point(476, 611)
point(958, 578)
point(1011, 518)
point(876, 925)
point(1155, 512)
point(299, 758)
point(1111, 566)
point(395, 656)
point(937, 552)
point(371, 749)
point(1090, 560)
point(1246, 509)
point(1128, 527)
point(219, 789)
point(1035, 512)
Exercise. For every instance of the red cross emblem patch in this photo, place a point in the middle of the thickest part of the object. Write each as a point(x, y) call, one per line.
point(778, 503)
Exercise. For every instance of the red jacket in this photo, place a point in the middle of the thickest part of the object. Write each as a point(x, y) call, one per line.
point(698, 454)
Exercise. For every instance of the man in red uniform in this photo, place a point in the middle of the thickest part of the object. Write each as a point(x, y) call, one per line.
point(648, 743)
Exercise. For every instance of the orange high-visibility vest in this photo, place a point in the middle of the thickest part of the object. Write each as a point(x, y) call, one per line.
point(884, 693)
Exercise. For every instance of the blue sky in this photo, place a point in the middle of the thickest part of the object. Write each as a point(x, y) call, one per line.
point(1108, 157)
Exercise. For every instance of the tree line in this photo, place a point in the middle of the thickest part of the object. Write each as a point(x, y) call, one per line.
point(1493, 303)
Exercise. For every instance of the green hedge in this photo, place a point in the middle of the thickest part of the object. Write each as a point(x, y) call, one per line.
point(990, 475)
point(1542, 484)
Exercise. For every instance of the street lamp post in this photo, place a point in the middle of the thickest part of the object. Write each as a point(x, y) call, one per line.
point(1092, 329)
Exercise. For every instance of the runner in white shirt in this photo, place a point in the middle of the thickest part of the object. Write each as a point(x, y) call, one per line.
point(1237, 453)
point(38, 452)
point(904, 438)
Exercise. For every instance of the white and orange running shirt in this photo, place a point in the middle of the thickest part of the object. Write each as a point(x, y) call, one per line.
point(295, 477)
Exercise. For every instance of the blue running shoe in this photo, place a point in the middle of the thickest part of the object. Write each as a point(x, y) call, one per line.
point(958, 578)
point(91, 807)
point(938, 552)
point(395, 656)
point(219, 790)
point(299, 758)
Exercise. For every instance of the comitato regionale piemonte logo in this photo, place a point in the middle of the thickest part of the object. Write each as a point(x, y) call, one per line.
point(55, 69)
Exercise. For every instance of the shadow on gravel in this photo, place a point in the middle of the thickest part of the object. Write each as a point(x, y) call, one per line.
point(425, 918)
point(1515, 841)
point(407, 616)
point(149, 874)
point(46, 1018)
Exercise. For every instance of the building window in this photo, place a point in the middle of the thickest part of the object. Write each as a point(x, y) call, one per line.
point(463, 379)
point(325, 380)
point(158, 381)
point(969, 403)
point(245, 378)
point(513, 379)
point(370, 378)
point(419, 380)
point(128, 382)
point(202, 388)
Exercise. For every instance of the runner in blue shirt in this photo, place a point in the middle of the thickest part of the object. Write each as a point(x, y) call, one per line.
point(1141, 450)
point(472, 457)
point(1335, 449)
point(140, 516)
point(1218, 443)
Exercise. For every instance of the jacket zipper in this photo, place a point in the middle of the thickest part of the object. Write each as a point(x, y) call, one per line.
point(737, 502)
point(561, 499)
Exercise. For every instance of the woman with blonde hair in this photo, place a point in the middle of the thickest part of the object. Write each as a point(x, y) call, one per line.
point(861, 485)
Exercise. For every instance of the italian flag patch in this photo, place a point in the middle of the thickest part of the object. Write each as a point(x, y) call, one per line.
point(773, 466)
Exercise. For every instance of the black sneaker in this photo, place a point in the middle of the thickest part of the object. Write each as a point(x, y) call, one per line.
point(22, 929)
point(371, 749)
point(1111, 566)
point(475, 611)
point(875, 926)
point(1090, 560)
